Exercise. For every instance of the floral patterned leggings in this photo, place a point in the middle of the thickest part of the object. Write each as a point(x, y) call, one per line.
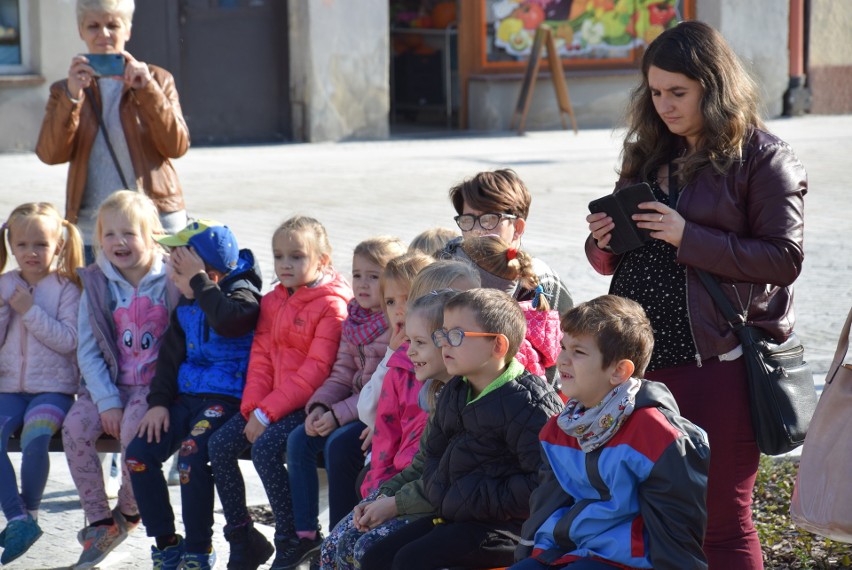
point(343, 548)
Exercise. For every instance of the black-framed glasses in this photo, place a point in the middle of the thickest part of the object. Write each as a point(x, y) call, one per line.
point(455, 336)
point(487, 221)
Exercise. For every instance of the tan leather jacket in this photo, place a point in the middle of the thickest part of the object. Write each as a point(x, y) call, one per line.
point(746, 227)
point(153, 126)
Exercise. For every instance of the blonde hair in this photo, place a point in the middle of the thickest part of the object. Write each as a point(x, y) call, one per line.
point(139, 211)
point(441, 275)
point(431, 308)
point(432, 241)
point(312, 229)
point(492, 254)
point(403, 269)
point(380, 249)
point(123, 9)
point(70, 253)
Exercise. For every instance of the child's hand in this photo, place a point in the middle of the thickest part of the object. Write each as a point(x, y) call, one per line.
point(397, 336)
point(154, 423)
point(186, 261)
point(377, 512)
point(254, 428)
point(111, 422)
point(312, 418)
point(325, 424)
point(21, 300)
point(357, 513)
point(367, 437)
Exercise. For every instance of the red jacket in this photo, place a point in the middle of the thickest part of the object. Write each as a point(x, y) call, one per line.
point(746, 227)
point(399, 422)
point(294, 346)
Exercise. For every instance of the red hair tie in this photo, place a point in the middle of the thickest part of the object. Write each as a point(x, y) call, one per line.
point(511, 253)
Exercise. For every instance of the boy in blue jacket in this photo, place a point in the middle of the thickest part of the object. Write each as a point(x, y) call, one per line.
point(624, 479)
point(197, 386)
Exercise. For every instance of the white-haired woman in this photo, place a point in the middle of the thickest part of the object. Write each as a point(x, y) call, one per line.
point(117, 132)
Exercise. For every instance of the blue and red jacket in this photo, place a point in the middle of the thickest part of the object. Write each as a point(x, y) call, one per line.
point(638, 501)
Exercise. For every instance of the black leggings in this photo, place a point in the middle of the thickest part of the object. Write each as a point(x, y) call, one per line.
point(423, 545)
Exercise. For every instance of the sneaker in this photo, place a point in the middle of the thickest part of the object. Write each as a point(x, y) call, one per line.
point(198, 560)
point(123, 522)
point(113, 484)
point(3, 539)
point(249, 548)
point(168, 558)
point(19, 536)
point(290, 553)
point(98, 542)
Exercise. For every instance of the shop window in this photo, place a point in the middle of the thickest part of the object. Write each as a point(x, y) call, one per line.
point(13, 29)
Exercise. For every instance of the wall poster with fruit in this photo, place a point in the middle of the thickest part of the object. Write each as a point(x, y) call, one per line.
point(587, 32)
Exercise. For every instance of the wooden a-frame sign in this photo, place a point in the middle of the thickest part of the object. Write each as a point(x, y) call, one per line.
point(544, 35)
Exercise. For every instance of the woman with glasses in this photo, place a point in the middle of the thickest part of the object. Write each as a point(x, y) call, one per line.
point(498, 203)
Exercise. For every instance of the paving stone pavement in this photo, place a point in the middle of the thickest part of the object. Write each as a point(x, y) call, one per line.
point(399, 187)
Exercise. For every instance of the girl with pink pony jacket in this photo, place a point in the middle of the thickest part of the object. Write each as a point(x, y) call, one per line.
point(38, 371)
point(124, 312)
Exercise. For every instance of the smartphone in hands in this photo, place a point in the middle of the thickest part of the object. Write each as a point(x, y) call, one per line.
point(106, 64)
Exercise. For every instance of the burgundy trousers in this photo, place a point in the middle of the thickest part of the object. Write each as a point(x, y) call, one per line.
point(715, 397)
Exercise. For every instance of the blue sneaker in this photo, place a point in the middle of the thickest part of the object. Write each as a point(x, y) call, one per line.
point(170, 557)
point(20, 535)
point(199, 560)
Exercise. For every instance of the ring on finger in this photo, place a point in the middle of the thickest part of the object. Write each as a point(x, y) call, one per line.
point(661, 218)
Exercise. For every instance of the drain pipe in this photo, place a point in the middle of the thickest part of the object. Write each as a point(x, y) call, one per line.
point(797, 98)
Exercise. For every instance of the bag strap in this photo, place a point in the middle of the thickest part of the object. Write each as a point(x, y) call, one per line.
point(735, 320)
point(97, 109)
point(842, 348)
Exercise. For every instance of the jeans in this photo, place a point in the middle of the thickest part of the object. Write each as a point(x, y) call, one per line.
point(192, 421)
point(343, 462)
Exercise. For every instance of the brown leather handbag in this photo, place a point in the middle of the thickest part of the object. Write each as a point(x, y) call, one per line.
point(822, 497)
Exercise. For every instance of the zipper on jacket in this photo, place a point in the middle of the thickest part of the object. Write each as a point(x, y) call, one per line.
point(23, 353)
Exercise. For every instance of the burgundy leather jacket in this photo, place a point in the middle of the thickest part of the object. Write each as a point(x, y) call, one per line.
point(746, 228)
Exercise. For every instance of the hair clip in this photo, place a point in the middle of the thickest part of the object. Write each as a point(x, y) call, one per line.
point(537, 293)
point(511, 253)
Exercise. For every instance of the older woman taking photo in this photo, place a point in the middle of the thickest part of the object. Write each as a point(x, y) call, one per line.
point(116, 131)
point(729, 200)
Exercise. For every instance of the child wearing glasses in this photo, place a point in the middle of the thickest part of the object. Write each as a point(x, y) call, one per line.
point(498, 202)
point(625, 476)
point(481, 456)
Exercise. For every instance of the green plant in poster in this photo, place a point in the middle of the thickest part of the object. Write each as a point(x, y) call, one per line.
point(582, 28)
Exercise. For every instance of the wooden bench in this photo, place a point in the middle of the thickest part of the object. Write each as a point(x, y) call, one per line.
point(105, 444)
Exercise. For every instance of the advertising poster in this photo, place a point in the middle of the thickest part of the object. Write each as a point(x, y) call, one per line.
point(583, 29)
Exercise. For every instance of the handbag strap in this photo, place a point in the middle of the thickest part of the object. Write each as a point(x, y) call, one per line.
point(736, 320)
point(842, 349)
point(97, 109)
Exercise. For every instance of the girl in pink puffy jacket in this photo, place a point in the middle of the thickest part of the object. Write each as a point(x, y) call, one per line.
point(332, 426)
point(38, 368)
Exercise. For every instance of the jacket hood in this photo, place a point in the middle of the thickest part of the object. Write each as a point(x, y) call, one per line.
point(655, 394)
point(246, 275)
point(334, 284)
point(453, 250)
point(399, 359)
point(154, 275)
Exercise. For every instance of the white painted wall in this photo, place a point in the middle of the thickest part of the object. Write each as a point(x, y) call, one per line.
point(53, 40)
point(339, 58)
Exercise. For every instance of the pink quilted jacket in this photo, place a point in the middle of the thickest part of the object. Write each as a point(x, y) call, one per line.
point(540, 347)
point(399, 422)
